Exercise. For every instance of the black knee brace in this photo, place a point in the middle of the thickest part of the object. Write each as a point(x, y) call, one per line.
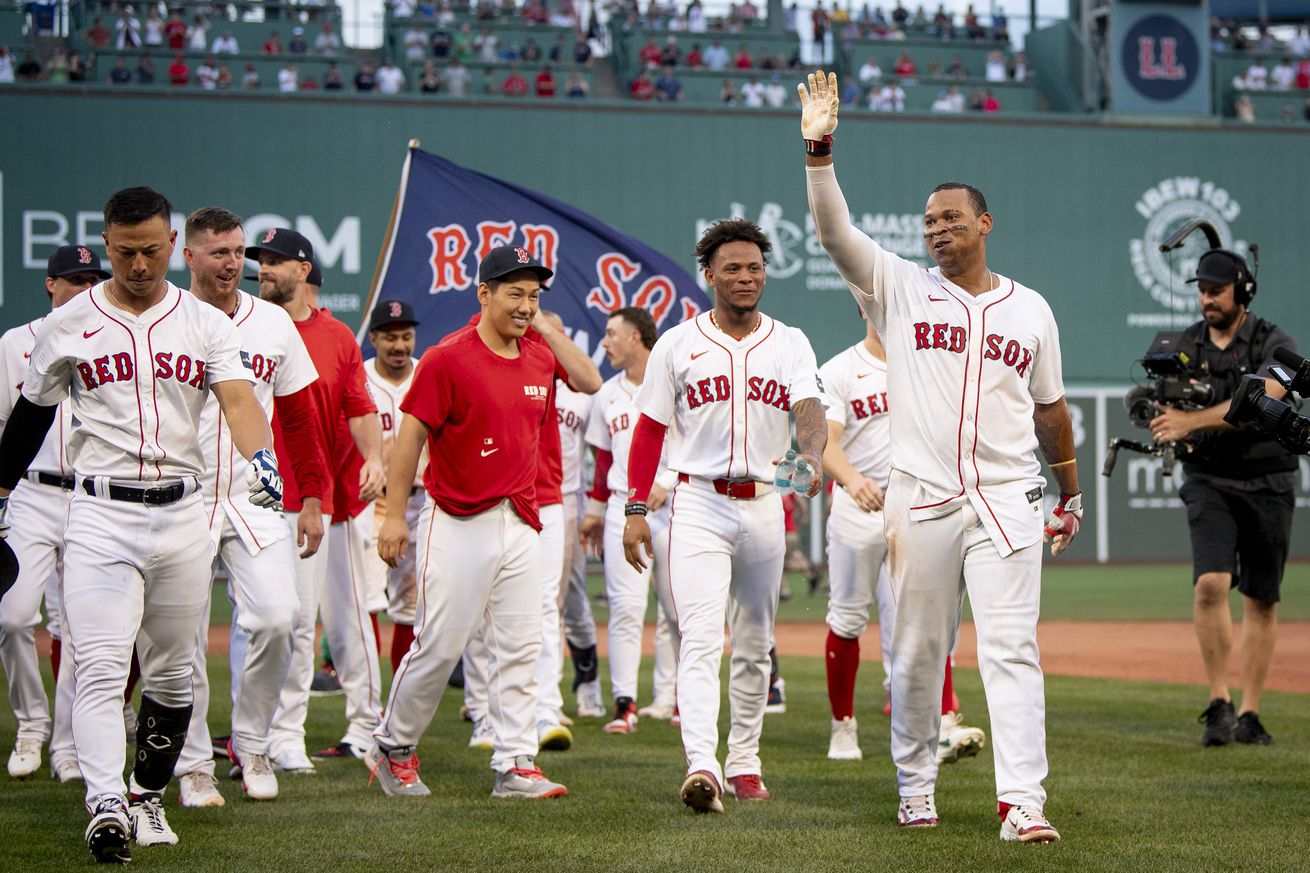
point(585, 664)
point(160, 733)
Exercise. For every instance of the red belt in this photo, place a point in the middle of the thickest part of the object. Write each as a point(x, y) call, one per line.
point(736, 489)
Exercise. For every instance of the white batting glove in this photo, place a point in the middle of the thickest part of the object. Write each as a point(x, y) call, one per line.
point(1063, 524)
point(4, 524)
point(264, 480)
point(819, 105)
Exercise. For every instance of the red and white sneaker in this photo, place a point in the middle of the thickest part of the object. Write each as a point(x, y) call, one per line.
point(918, 812)
point(701, 792)
point(396, 770)
point(525, 779)
point(625, 717)
point(748, 786)
point(1025, 824)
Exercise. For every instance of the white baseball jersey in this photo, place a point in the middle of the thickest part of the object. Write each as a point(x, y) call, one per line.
point(856, 385)
point(280, 364)
point(138, 382)
point(614, 415)
point(573, 409)
point(965, 371)
point(729, 399)
point(15, 351)
point(387, 396)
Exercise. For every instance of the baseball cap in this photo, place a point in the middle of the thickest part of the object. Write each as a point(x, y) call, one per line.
point(282, 241)
point(1216, 266)
point(503, 260)
point(315, 276)
point(68, 260)
point(391, 312)
point(297, 31)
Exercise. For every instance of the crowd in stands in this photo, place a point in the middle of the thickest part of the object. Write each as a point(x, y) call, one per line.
point(1233, 36)
point(847, 26)
point(714, 57)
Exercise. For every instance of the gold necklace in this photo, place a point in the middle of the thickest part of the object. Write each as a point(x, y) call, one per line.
point(759, 319)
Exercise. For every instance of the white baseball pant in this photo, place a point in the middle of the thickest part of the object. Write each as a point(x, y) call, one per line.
point(128, 568)
point(375, 569)
point(349, 629)
point(935, 561)
point(550, 663)
point(402, 580)
point(628, 593)
point(858, 574)
point(37, 514)
point(724, 556)
point(265, 607)
point(61, 735)
point(579, 622)
point(664, 681)
point(481, 571)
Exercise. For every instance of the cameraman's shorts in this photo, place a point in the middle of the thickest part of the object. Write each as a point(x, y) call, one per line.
point(1242, 528)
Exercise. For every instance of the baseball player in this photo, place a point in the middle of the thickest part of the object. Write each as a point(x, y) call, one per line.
point(730, 381)
point(580, 634)
point(630, 334)
point(138, 357)
point(254, 546)
point(858, 459)
point(479, 401)
point(973, 365)
point(39, 506)
point(285, 262)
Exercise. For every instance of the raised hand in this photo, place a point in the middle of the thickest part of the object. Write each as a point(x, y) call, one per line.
point(819, 105)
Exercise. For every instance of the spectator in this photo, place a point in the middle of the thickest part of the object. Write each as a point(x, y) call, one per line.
point(670, 55)
point(179, 74)
point(514, 85)
point(728, 93)
point(175, 30)
point(488, 46)
point(716, 56)
point(272, 45)
point(365, 81)
point(870, 72)
point(889, 98)
point(462, 46)
point(207, 74)
point(197, 36)
point(818, 23)
point(327, 42)
point(1305, 110)
point(416, 43)
point(696, 22)
point(942, 23)
point(226, 44)
point(791, 20)
point(972, 28)
point(511, 53)
point(457, 78)
point(990, 103)
point(851, 91)
point(920, 21)
point(1303, 74)
point(995, 68)
point(531, 51)
point(120, 74)
point(668, 89)
point(429, 82)
point(56, 71)
point(98, 36)
point(576, 88)
point(545, 83)
point(767, 62)
point(935, 69)
point(649, 54)
point(956, 70)
point(742, 60)
point(76, 68)
point(224, 77)
point(976, 99)
point(1289, 113)
point(1282, 75)
point(1299, 44)
point(748, 12)
point(298, 45)
point(582, 53)
point(1018, 67)
point(1245, 108)
point(29, 70)
point(900, 15)
point(752, 93)
point(1257, 76)
point(288, 78)
point(404, 8)
point(694, 59)
point(442, 44)
point(1000, 26)
point(775, 93)
point(128, 30)
point(558, 50)
point(1265, 42)
point(332, 79)
point(250, 78)
point(145, 70)
point(308, 83)
point(153, 30)
point(390, 78)
point(642, 88)
point(905, 68)
point(534, 13)
point(950, 100)
point(565, 16)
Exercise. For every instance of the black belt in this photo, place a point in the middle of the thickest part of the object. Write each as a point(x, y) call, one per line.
point(160, 495)
point(64, 482)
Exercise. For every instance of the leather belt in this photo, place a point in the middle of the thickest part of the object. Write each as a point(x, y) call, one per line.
point(734, 489)
point(65, 482)
point(157, 495)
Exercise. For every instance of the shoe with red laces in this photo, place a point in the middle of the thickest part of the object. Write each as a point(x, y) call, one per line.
point(700, 791)
point(748, 786)
point(625, 717)
point(525, 779)
point(396, 770)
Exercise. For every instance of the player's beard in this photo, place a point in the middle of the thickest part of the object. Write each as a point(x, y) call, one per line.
point(279, 291)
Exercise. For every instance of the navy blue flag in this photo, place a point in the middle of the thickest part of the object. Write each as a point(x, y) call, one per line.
point(448, 217)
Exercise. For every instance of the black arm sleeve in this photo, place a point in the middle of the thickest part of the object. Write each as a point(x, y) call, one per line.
point(24, 433)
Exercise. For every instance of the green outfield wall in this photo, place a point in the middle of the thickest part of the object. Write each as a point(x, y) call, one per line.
point(1079, 207)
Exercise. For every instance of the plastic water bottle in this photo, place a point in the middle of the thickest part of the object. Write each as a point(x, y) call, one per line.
point(786, 468)
point(803, 478)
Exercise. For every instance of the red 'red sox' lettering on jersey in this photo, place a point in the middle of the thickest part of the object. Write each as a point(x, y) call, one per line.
point(874, 404)
point(719, 388)
point(955, 339)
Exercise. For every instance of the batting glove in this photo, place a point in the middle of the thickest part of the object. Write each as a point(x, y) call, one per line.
point(819, 105)
point(1063, 524)
point(4, 510)
point(264, 480)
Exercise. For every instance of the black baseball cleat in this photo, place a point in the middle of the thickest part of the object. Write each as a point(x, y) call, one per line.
point(1250, 731)
point(1220, 723)
point(108, 836)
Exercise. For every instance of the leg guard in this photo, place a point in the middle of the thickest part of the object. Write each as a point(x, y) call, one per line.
point(160, 734)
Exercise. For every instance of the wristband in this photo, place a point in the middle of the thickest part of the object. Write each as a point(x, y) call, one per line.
point(1063, 463)
point(819, 148)
point(636, 507)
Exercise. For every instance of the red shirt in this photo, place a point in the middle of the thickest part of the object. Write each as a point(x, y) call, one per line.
point(339, 393)
point(743, 61)
point(176, 33)
point(545, 85)
point(642, 89)
point(650, 53)
point(485, 415)
point(179, 73)
point(515, 85)
point(694, 60)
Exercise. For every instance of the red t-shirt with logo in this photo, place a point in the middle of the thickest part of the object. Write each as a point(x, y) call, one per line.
point(339, 393)
point(485, 415)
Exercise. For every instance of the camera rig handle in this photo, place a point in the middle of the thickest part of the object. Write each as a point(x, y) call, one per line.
point(1176, 238)
point(1167, 452)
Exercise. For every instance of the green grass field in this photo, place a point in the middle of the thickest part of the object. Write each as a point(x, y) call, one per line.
point(1130, 789)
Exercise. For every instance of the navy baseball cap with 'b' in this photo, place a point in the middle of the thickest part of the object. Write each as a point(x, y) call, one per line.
point(70, 260)
point(389, 312)
point(284, 242)
point(503, 260)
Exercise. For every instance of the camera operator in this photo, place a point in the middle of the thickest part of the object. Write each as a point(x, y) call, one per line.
point(1239, 496)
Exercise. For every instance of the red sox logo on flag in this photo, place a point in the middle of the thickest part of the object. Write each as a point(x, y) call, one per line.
point(83, 255)
point(268, 237)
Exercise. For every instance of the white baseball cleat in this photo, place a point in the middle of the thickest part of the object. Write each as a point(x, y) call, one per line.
point(483, 736)
point(25, 759)
point(918, 812)
point(292, 761)
point(109, 835)
point(589, 702)
point(661, 710)
point(1026, 824)
point(258, 780)
point(526, 780)
point(396, 771)
point(64, 767)
point(956, 740)
point(199, 789)
point(149, 825)
point(554, 737)
point(845, 742)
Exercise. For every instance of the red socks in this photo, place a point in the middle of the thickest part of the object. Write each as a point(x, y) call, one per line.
point(377, 636)
point(56, 651)
point(948, 690)
point(842, 661)
point(401, 637)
